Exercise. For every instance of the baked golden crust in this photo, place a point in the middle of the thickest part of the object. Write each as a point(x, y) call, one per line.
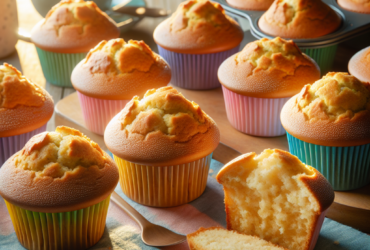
point(58, 172)
point(316, 192)
point(215, 237)
point(359, 65)
point(250, 4)
point(163, 128)
point(117, 70)
point(299, 19)
point(334, 111)
point(24, 106)
point(361, 6)
point(268, 69)
point(198, 27)
point(73, 26)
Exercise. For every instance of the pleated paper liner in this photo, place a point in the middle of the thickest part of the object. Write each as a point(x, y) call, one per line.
point(324, 57)
point(12, 144)
point(346, 168)
point(75, 230)
point(58, 67)
point(163, 186)
point(254, 116)
point(191, 71)
point(98, 112)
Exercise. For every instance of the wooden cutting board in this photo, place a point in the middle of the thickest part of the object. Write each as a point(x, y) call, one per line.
point(350, 208)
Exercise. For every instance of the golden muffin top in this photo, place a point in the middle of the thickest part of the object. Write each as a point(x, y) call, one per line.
point(299, 19)
point(16, 89)
point(336, 96)
point(24, 106)
point(118, 70)
point(73, 26)
point(268, 69)
point(359, 65)
point(198, 27)
point(55, 153)
point(58, 171)
point(361, 6)
point(162, 127)
point(334, 111)
point(250, 4)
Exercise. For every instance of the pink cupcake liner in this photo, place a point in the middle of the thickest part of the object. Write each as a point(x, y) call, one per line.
point(191, 71)
point(317, 229)
point(98, 112)
point(254, 116)
point(12, 144)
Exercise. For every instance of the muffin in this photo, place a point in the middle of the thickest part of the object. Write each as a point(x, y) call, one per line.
point(195, 40)
point(257, 82)
point(163, 147)
point(25, 108)
point(250, 4)
point(217, 238)
point(112, 74)
point(327, 126)
point(275, 197)
point(57, 190)
point(359, 65)
point(65, 36)
point(361, 6)
point(299, 19)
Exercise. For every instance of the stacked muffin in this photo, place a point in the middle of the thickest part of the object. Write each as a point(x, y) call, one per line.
point(65, 36)
point(112, 74)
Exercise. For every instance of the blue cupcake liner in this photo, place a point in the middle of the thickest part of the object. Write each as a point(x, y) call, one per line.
point(345, 168)
point(195, 71)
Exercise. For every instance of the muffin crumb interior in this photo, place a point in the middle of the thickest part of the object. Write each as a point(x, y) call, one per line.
point(55, 153)
point(335, 96)
point(164, 110)
point(16, 89)
point(118, 57)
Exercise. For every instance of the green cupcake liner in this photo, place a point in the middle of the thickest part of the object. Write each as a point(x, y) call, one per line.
point(79, 229)
point(58, 67)
point(345, 168)
point(324, 57)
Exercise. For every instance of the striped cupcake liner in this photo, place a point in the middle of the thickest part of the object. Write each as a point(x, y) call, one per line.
point(166, 186)
point(190, 71)
point(254, 116)
point(345, 168)
point(58, 67)
point(324, 57)
point(97, 113)
point(12, 144)
point(79, 229)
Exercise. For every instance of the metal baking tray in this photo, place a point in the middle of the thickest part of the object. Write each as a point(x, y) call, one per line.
point(353, 24)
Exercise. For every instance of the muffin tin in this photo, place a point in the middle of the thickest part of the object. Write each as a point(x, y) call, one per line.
point(353, 24)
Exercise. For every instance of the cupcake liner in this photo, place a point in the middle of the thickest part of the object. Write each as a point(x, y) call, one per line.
point(316, 232)
point(254, 116)
point(79, 229)
point(97, 113)
point(12, 144)
point(345, 168)
point(324, 57)
point(58, 67)
point(163, 186)
point(190, 71)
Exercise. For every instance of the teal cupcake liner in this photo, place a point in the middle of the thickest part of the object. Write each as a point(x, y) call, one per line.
point(345, 168)
point(58, 67)
point(324, 57)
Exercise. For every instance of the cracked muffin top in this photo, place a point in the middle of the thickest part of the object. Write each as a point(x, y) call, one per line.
point(361, 6)
point(163, 128)
point(299, 19)
point(198, 27)
point(268, 69)
point(118, 70)
point(24, 106)
point(334, 111)
point(73, 26)
point(46, 175)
